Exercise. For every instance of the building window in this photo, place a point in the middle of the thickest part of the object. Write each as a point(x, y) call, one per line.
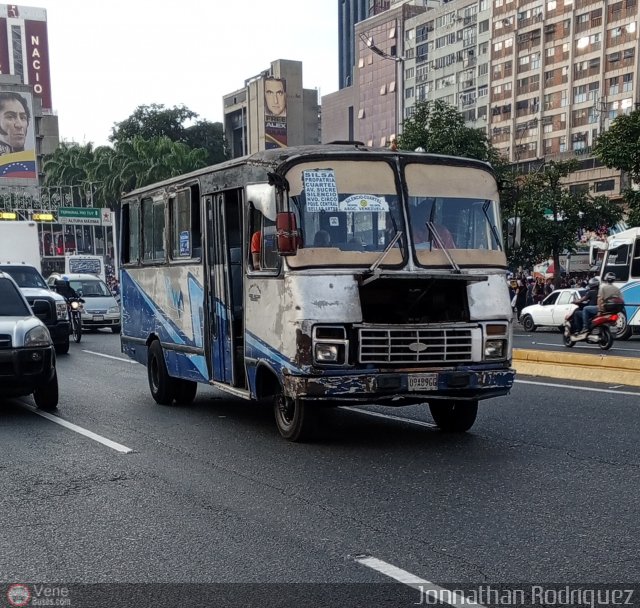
point(605, 186)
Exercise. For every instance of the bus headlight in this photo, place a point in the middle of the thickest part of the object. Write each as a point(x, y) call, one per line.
point(495, 349)
point(326, 353)
point(330, 345)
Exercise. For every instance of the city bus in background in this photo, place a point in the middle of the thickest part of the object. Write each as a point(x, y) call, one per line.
point(321, 276)
point(621, 255)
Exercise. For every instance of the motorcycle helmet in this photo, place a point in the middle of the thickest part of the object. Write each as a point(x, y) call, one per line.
point(594, 282)
point(609, 277)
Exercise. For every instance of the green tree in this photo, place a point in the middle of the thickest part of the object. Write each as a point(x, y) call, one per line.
point(106, 172)
point(552, 215)
point(619, 148)
point(152, 121)
point(437, 127)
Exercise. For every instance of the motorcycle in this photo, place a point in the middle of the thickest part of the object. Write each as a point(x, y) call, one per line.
point(74, 308)
point(599, 332)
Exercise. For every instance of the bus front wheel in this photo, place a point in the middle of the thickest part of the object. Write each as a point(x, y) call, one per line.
point(454, 416)
point(296, 419)
point(161, 384)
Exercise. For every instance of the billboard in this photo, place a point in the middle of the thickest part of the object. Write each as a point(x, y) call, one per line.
point(24, 48)
point(17, 136)
point(275, 112)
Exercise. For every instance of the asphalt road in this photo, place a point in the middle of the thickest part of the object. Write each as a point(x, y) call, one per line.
point(542, 490)
point(551, 339)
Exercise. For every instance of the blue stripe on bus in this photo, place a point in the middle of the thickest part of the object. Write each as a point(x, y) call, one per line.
point(631, 293)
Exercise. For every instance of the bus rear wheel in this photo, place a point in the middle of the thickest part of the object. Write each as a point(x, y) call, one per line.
point(161, 384)
point(296, 419)
point(454, 416)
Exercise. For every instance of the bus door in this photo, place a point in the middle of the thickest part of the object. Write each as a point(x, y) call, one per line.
point(225, 278)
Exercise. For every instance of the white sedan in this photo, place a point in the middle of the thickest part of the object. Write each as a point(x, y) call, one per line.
point(552, 311)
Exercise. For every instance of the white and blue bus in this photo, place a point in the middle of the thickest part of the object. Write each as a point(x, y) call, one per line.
point(622, 257)
point(321, 276)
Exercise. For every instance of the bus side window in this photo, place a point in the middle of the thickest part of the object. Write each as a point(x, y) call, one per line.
point(263, 253)
point(635, 264)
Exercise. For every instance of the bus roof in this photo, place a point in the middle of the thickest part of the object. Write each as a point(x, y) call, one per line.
point(271, 159)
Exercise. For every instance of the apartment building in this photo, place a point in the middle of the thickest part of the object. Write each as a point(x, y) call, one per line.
point(543, 77)
point(447, 56)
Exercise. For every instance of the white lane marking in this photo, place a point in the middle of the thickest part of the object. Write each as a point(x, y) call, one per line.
point(426, 588)
point(78, 429)
point(579, 388)
point(391, 417)
point(90, 352)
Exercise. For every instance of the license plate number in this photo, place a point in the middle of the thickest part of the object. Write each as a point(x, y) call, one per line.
point(98, 317)
point(423, 382)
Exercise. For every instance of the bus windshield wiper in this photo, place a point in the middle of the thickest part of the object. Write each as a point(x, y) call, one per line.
point(438, 239)
point(372, 269)
point(494, 230)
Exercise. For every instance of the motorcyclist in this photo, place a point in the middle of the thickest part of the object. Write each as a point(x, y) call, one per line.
point(591, 309)
point(65, 290)
point(607, 290)
point(590, 298)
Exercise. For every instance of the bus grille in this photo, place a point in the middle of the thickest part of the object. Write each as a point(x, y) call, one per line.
point(415, 345)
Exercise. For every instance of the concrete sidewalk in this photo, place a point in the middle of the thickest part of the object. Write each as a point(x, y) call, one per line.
point(573, 366)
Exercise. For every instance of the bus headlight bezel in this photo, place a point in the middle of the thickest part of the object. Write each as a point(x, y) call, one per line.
point(330, 345)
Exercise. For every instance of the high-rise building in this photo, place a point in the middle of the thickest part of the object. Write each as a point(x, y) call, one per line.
point(351, 12)
point(272, 110)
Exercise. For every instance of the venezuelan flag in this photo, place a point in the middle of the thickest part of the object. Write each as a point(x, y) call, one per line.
point(19, 165)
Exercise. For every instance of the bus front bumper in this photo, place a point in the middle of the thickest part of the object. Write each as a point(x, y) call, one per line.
point(401, 388)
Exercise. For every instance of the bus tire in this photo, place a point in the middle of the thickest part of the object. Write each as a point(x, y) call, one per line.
point(296, 419)
point(185, 391)
point(454, 416)
point(622, 330)
point(161, 384)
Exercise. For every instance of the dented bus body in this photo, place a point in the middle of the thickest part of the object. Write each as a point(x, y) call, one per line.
point(321, 276)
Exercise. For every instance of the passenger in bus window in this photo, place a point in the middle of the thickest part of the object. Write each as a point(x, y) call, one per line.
point(275, 97)
point(256, 247)
point(14, 122)
point(321, 239)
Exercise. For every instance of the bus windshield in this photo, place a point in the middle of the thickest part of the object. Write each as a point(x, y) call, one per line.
point(453, 208)
point(617, 261)
point(348, 212)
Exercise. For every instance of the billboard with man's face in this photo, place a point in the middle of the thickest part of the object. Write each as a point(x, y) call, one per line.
point(275, 112)
point(17, 136)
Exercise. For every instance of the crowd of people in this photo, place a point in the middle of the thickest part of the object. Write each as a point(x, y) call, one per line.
point(527, 290)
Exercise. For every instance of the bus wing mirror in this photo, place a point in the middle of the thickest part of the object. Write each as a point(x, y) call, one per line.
point(514, 232)
point(287, 233)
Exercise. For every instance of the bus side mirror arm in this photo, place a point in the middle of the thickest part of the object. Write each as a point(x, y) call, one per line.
point(514, 233)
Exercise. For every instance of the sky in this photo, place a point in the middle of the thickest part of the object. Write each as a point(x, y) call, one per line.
point(109, 57)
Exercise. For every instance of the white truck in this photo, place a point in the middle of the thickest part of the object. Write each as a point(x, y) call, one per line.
point(20, 258)
point(19, 242)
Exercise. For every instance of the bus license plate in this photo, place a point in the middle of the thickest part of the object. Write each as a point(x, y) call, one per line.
point(423, 382)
